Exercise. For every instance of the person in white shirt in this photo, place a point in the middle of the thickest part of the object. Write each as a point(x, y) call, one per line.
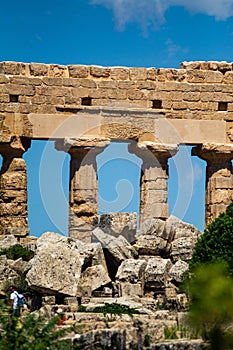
point(14, 298)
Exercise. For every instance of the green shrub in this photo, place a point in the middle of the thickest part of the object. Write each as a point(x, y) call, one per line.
point(82, 308)
point(20, 284)
point(170, 332)
point(146, 341)
point(17, 251)
point(215, 245)
point(35, 333)
point(210, 283)
point(113, 309)
point(211, 303)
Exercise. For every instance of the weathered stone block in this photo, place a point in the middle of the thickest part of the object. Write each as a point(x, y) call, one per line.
point(8, 222)
point(154, 210)
point(117, 249)
point(19, 80)
point(195, 76)
point(152, 194)
point(4, 98)
point(21, 232)
point(118, 73)
point(38, 69)
point(7, 241)
point(156, 272)
point(117, 224)
point(52, 81)
point(100, 72)
point(182, 248)
point(13, 208)
point(213, 77)
point(127, 289)
point(150, 245)
point(191, 96)
point(132, 271)
point(71, 301)
point(177, 271)
point(56, 70)
point(76, 71)
point(152, 74)
point(153, 171)
point(153, 226)
point(135, 95)
point(93, 278)
point(217, 209)
point(15, 89)
point(138, 74)
point(221, 183)
point(12, 181)
point(85, 195)
point(58, 264)
point(49, 300)
point(13, 68)
point(220, 196)
point(87, 83)
point(228, 78)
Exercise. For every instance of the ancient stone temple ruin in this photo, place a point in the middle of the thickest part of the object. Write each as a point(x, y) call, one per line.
point(84, 108)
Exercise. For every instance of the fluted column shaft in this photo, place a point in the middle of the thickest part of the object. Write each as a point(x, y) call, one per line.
point(219, 178)
point(83, 188)
point(13, 188)
point(154, 177)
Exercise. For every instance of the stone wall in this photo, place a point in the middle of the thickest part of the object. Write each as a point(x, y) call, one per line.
point(85, 107)
point(196, 91)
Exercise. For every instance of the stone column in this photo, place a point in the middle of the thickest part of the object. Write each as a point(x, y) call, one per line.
point(13, 188)
point(219, 178)
point(83, 197)
point(154, 176)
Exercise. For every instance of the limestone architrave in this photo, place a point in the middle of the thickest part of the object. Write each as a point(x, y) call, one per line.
point(219, 177)
point(83, 183)
point(154, 176)
point(13, 188)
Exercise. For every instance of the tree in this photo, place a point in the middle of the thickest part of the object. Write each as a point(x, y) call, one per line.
point(210, 284)
point(216, 242)
point(210, 292)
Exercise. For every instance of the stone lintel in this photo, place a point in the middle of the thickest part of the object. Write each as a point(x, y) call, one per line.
point(191, 131)
point(149, 125)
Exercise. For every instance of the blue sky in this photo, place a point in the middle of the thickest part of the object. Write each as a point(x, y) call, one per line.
point(136, 33)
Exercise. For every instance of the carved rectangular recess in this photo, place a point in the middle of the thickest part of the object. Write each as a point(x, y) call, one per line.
point(86, 101)
point(68, 109)
point(14, 98)
point(222, 106)
point(157, 104)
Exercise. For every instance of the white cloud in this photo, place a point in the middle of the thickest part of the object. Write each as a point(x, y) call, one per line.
point(148, 12)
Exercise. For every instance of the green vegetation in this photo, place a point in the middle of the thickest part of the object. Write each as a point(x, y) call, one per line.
point(17, 251)
point(210, 283)
point(20, 285)
point(32, 333)
point(170, 332)
point(146, 341)
point(215, 245)
point(211, 303)
point(112, 309)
